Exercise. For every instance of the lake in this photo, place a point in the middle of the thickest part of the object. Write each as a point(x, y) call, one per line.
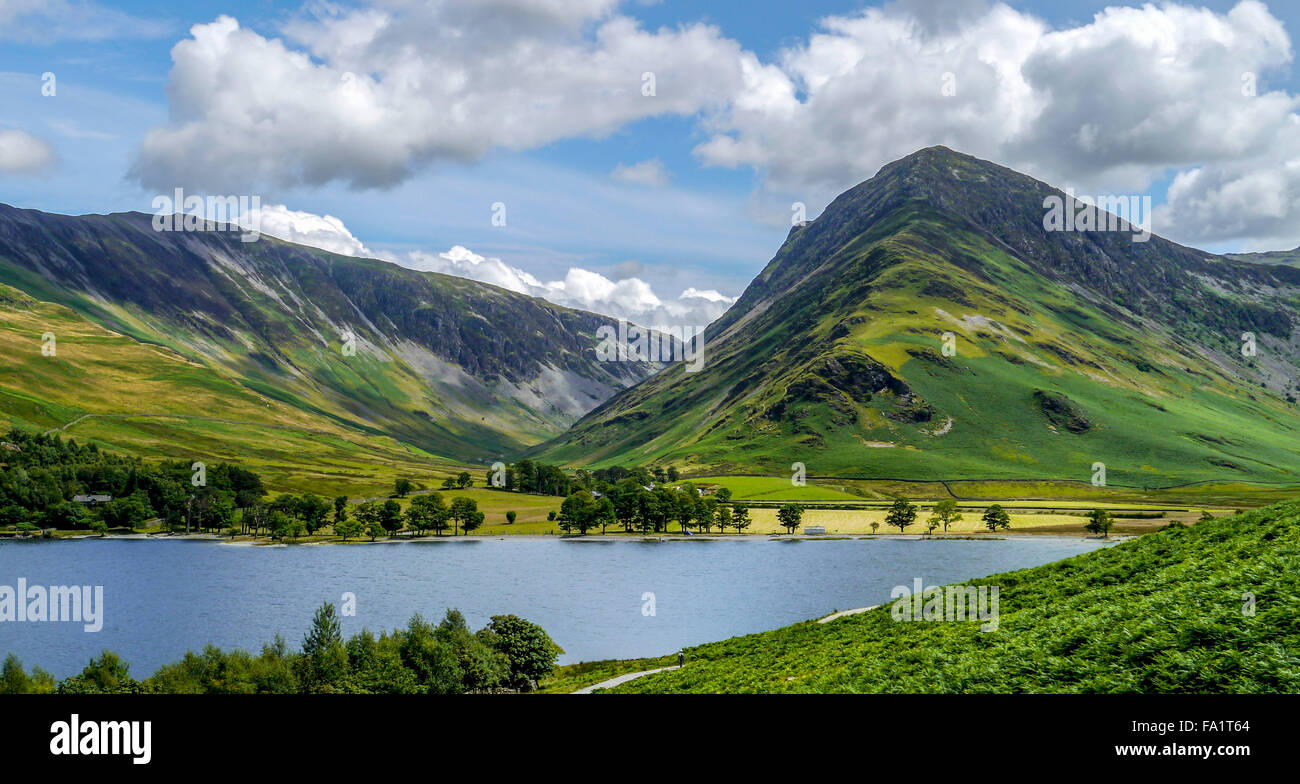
point(164, 597)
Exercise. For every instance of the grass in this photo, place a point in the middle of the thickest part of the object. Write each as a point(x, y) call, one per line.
point(98, 383)
point(842, 521)
point(1210, 608)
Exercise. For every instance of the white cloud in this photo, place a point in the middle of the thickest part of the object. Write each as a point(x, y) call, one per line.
point(1116, 102)
point(22, 153)
point(650, 173)
point(1129, 98)
point(629, 298)
point(367, 96)
point(319, 231)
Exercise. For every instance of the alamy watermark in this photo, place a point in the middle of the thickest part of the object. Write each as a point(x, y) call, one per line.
point(629, 342)
point(946, 603)
point(1101, 213)
point(180, 212)
point(82, 604)
point(95, 738)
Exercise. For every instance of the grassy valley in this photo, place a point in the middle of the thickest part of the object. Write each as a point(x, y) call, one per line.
point(291, 357)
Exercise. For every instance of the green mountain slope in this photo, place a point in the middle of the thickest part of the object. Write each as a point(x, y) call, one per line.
point(444, 365)
point(1167, 612)
point(1290, 258)
point(1071, 348)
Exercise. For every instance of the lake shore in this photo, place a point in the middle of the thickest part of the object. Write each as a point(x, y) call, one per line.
point(262, 541)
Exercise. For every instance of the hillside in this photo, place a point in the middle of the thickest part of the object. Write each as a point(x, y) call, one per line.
point(1290, 258)
point(1161, 613)
point(1070, 348)
point(201, 325)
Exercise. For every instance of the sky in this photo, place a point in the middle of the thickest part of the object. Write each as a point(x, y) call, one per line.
point(640, 159)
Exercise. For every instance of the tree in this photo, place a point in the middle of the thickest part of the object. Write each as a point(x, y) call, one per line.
point(15, 680)
point(464, 511)
point(578, 512)
point(529, 650)
point(945, 513)
point(874, 526)
point(723, 516)
point(789, 516)
point(127, 512)
point(12, 514)
point(511, 517)
point(106, 675)
point(374, 530)
point(673, 476)
point(424, 510)
point(1099, 522)
point(312, 510)
point(449, 483)
point(349, 528)
point(604, 513)
point(740, 518)
point(996, 517)
point(326, 660)
point(368, 516)
point(340, 511)
point(683, 506)
point(464, 480)
point(625, 496)
point(723, 495)
point(401, 487)
point(901, 514)
point(390, 517)
point(440, 517)
point(706, 512)
point(278, 524)
point(526, 475)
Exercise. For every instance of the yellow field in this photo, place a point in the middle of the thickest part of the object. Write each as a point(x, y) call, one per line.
point(853, 521)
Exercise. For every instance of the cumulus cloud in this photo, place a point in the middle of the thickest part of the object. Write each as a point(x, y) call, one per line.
point(1121, 100)
point(319, 231)
point(1129, 98)
point(630, 298)
point(22, 153)
point(650, 173)
point(366, 96)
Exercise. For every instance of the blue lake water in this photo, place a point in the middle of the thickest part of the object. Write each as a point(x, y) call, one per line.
point(165, 597)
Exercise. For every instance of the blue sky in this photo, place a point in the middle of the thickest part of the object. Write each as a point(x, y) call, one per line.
point(717, 214)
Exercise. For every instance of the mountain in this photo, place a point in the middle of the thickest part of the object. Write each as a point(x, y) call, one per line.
point(200, 325)
point(1291, 258)
point(1071, 348)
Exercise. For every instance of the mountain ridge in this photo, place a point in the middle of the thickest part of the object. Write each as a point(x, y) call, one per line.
point(832, 356)
point(460, 368)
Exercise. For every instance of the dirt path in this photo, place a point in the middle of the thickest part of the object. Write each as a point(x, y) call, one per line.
point(620, 680)
point(843, 613)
